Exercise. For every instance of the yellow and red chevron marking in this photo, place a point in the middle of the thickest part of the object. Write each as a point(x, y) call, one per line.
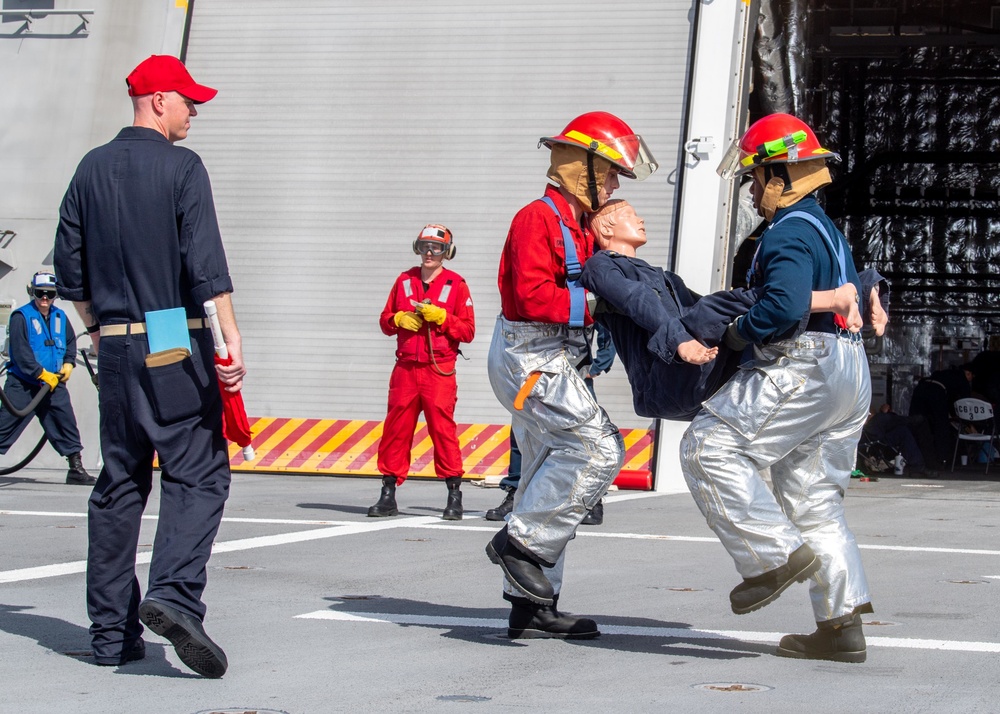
point(350, 447)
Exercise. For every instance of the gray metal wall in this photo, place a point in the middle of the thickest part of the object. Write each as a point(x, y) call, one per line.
point(64, 93)
point(343, 126)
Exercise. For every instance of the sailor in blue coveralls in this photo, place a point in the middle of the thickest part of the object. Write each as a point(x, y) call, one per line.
point(138, 233)
point(42, 351)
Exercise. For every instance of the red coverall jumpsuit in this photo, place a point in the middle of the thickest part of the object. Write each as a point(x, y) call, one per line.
point(416, 384)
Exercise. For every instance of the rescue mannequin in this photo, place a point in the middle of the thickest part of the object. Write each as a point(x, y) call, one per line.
point(667, 336)
point(571, 450)
point(798, 409)
point(429, 310)
point(42, 354)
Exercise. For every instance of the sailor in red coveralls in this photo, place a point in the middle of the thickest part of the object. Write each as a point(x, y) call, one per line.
point(429, 310)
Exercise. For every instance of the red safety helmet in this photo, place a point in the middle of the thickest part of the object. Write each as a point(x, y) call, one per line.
point(607, 136)
point(436, 233)
point(774, 139)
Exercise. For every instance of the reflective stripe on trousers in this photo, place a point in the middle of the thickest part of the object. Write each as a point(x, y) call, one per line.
point(797, 410)
point(571, 452)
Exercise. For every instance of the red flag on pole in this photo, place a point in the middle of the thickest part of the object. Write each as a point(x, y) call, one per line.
point(235, 425)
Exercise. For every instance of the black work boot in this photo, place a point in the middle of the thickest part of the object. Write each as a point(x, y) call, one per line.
point(77, 474)
point(500, 512)
point(523, 571)
point(386, 505)
point(186, 633)
point(453, 509)
point(756, 592)
point(595, 516)
point(842, 642)
point(530, 621)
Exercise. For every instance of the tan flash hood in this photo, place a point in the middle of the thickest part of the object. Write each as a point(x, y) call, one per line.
point(569, 170)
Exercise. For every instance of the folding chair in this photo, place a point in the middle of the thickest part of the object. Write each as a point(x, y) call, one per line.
point(974, 415)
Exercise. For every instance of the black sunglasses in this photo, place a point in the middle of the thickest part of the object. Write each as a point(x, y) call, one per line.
point(48, 294)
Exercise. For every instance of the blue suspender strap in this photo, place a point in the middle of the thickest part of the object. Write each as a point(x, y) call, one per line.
point(838, 250)
point(577, 295)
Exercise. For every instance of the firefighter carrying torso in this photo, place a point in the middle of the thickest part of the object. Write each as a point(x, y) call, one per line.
point(429, 310)
point(571, 450)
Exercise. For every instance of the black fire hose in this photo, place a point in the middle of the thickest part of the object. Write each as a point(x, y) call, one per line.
point(90, 367)
point(22, 413)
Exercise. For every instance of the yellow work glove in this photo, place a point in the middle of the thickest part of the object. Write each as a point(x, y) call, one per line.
point(65, 372)
point(408, 320)
point(432, 313)
point(50, 378)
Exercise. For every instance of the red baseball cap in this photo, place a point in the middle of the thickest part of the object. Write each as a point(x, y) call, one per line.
point(165, 73)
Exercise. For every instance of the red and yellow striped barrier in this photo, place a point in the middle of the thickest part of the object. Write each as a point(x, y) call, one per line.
point(350, 448)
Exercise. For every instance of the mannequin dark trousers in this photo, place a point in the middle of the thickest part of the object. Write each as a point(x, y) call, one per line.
point(194, 485)
point(54, 413)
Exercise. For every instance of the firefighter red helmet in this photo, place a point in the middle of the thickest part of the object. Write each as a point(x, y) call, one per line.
point(774, 139)
point(607, 136)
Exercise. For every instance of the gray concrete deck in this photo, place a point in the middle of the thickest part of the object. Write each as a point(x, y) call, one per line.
point(321, 609)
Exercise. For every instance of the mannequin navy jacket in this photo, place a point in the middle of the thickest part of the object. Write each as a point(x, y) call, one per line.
point(650, 311)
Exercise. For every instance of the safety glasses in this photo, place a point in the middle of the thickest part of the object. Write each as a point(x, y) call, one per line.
point(432, 247)
point(45, 294)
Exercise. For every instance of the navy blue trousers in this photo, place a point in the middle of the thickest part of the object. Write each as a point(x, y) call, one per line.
point(55, 413)
point(194, 485)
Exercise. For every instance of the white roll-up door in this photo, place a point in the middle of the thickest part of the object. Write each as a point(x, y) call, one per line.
point(343, 126)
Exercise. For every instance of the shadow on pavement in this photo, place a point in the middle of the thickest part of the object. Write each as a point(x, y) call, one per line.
point(73, 641)
point(697, 645)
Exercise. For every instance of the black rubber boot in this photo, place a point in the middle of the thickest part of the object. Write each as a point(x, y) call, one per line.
point(453, 509)
point(500, 512)
point(754, 593)
point(77, 474)
point(524, 572)
point(386, 505)
point(837, 642)
point(530, 621)
point(595, 516)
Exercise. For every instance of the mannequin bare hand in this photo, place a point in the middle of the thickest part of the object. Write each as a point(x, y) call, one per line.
point(879, 317)
point(694, 352)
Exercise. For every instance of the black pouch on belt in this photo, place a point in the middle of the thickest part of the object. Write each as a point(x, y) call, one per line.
point(173, 386)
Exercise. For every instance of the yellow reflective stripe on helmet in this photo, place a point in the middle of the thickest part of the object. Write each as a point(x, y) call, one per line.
point(601, 148)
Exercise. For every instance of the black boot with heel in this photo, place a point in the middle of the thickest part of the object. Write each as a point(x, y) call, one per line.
point(386, 505)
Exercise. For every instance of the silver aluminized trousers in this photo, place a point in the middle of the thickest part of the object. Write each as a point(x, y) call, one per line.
point(797, 409)
point(570, 450)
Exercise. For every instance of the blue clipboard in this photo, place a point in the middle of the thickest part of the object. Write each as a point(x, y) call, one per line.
point(167, 329)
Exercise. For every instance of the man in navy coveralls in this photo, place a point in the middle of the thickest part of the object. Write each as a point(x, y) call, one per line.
point(138, 233)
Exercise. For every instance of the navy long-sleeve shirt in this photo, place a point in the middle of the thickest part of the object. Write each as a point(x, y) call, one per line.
point(138, 231)
point(792, 260)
